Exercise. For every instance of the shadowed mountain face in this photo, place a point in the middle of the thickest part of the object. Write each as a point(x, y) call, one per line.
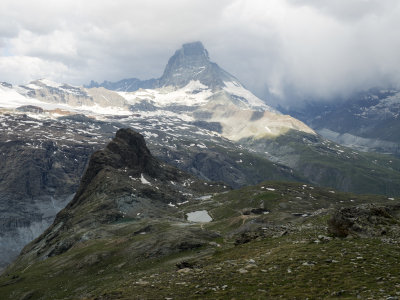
point(191, 62)
point(127, 150)
point(40, 170)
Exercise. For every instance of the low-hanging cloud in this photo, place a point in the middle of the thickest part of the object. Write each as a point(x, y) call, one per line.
point(301, 48)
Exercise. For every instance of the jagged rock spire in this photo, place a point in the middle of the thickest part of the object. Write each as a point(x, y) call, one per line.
point(192, 62)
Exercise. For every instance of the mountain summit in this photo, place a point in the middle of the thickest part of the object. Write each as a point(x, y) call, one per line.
point(192, 62)
point(189, 63)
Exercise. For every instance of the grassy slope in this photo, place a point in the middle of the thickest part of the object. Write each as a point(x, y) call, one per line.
point(328, 164)
point(283, 259)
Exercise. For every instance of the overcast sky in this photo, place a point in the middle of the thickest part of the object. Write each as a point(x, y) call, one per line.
point(315, 48)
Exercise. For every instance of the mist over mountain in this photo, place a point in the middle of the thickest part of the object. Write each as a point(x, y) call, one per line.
point(315, 49)
point(367, 120)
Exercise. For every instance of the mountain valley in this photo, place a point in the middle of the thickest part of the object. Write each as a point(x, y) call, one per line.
point(168, 187)
point(131, 232)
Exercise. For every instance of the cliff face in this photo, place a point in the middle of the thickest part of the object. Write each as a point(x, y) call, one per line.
point(127, 151)
point(39, 174)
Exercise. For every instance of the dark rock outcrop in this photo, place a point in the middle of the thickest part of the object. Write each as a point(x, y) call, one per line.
point(125, 85)
point(30, 108)
point(6, 84)
point(365, 221)
point(127, 150)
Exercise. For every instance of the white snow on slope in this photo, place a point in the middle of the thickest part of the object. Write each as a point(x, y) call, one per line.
point(33, 86)
point(9, 98)
point(238, 90)
point(50, 83)
point(144, 180)
point(193, 94)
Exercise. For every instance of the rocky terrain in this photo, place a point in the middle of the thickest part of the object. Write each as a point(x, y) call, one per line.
point(139, 228)
point(122, 182)
point(43, 159)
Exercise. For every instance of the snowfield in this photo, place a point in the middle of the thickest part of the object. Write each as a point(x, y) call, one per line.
point(193, 94)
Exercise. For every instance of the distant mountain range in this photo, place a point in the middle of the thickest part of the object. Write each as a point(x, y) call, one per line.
point(367, 121)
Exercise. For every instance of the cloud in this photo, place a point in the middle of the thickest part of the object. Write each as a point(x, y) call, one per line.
point(301, 48)
point(24, 69)
point(349, 11)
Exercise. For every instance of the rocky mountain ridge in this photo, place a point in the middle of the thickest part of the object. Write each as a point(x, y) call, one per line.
point(43, 158)
point(123, 181)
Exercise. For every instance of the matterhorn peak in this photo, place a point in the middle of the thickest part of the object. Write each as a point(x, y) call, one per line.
point(193, 50)
point(191, 62)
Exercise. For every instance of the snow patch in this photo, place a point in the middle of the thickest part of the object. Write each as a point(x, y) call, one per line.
point(238, 90)
point(200, 216)
point(34, 86)
point(193, 94)
point(50, 83)
point(206, 197)
point(143, 180)
point(269, 130)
